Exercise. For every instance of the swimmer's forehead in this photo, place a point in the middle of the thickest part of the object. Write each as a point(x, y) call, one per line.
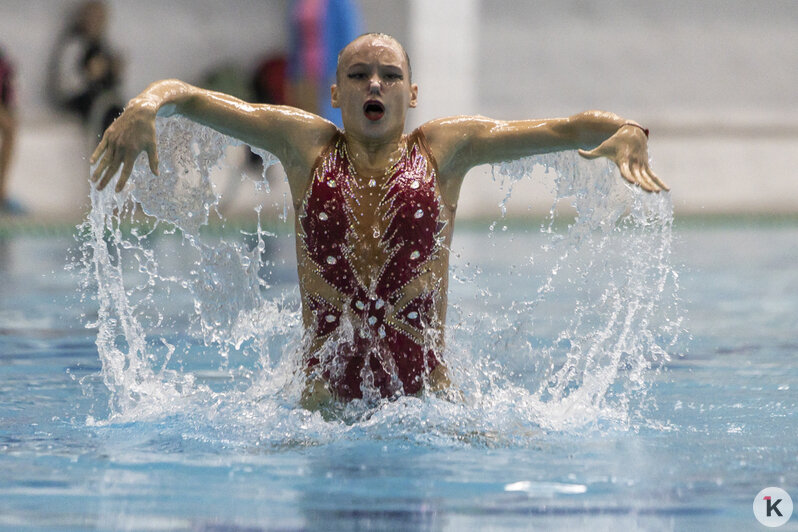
point(373, 49)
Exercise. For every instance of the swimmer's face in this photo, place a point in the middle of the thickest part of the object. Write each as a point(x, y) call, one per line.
point(374, 90)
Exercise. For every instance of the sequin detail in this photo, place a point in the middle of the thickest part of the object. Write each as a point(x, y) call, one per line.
point(378, 302)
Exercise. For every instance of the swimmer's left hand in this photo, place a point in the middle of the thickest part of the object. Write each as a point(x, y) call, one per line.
point(628, 148)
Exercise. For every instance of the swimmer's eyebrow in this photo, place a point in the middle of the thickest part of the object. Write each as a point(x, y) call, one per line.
point(368, 65)
point(357, 65)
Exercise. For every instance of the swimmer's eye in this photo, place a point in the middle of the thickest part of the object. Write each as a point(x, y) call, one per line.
point(356, 75)
point(394, 77)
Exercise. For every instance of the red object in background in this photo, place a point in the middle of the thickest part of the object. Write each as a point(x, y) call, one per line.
point(270, 80)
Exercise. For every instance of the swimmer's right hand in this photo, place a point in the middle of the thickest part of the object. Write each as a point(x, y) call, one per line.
point(130, 134)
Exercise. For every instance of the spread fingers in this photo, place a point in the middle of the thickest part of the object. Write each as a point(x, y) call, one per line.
point(106, 161)
point(98, 150)
point(109, 173)
point(127, 168)
point(643, 180)
point(626, 172)
point(656, 179)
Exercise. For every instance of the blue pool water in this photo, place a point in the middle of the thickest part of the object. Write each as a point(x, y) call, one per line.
point(718, 425)
point(613, 372)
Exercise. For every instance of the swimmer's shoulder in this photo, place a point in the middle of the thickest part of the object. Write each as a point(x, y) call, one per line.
point(449, 139)
point(300, 132)
point(303, 144)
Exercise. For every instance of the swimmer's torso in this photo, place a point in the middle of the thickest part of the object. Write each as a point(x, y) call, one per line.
point(372, 256)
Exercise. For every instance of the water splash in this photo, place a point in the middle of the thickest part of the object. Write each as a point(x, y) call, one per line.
point(194, 335)
point(605, 310)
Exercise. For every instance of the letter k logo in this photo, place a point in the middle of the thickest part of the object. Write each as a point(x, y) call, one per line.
point(772, 506)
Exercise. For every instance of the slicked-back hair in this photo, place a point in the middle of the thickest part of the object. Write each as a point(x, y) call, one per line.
point(382, 36)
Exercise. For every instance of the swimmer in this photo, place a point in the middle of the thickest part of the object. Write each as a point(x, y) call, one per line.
point(375, 207)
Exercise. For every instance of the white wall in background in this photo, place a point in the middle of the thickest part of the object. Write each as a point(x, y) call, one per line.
point(444, 56)
point(663, 61)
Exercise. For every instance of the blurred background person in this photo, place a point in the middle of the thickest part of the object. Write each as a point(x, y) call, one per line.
point(85, 71)
point(319, 30)
point(8, 131)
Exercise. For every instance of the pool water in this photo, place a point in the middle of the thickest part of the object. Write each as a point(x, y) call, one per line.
point(609, 371)
point(715, 425)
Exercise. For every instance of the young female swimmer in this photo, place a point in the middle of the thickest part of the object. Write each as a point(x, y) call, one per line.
point(374, 207)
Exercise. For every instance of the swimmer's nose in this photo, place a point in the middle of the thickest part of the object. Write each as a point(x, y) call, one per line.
point(374, 86)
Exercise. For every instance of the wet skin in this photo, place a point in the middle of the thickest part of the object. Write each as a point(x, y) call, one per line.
point(374, 93)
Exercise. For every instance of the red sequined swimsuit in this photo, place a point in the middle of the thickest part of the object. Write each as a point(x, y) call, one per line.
point(373, 271)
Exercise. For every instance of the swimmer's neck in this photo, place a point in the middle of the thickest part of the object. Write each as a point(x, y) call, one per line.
point(370, 155)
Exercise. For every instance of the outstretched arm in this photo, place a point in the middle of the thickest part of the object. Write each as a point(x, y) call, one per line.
point(294, 136)
point(460, 143)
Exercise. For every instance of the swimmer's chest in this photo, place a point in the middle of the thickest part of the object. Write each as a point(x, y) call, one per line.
point(369, 216)
point(391, 218)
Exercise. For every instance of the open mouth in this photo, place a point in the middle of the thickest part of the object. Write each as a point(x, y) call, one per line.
point(374, 110)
